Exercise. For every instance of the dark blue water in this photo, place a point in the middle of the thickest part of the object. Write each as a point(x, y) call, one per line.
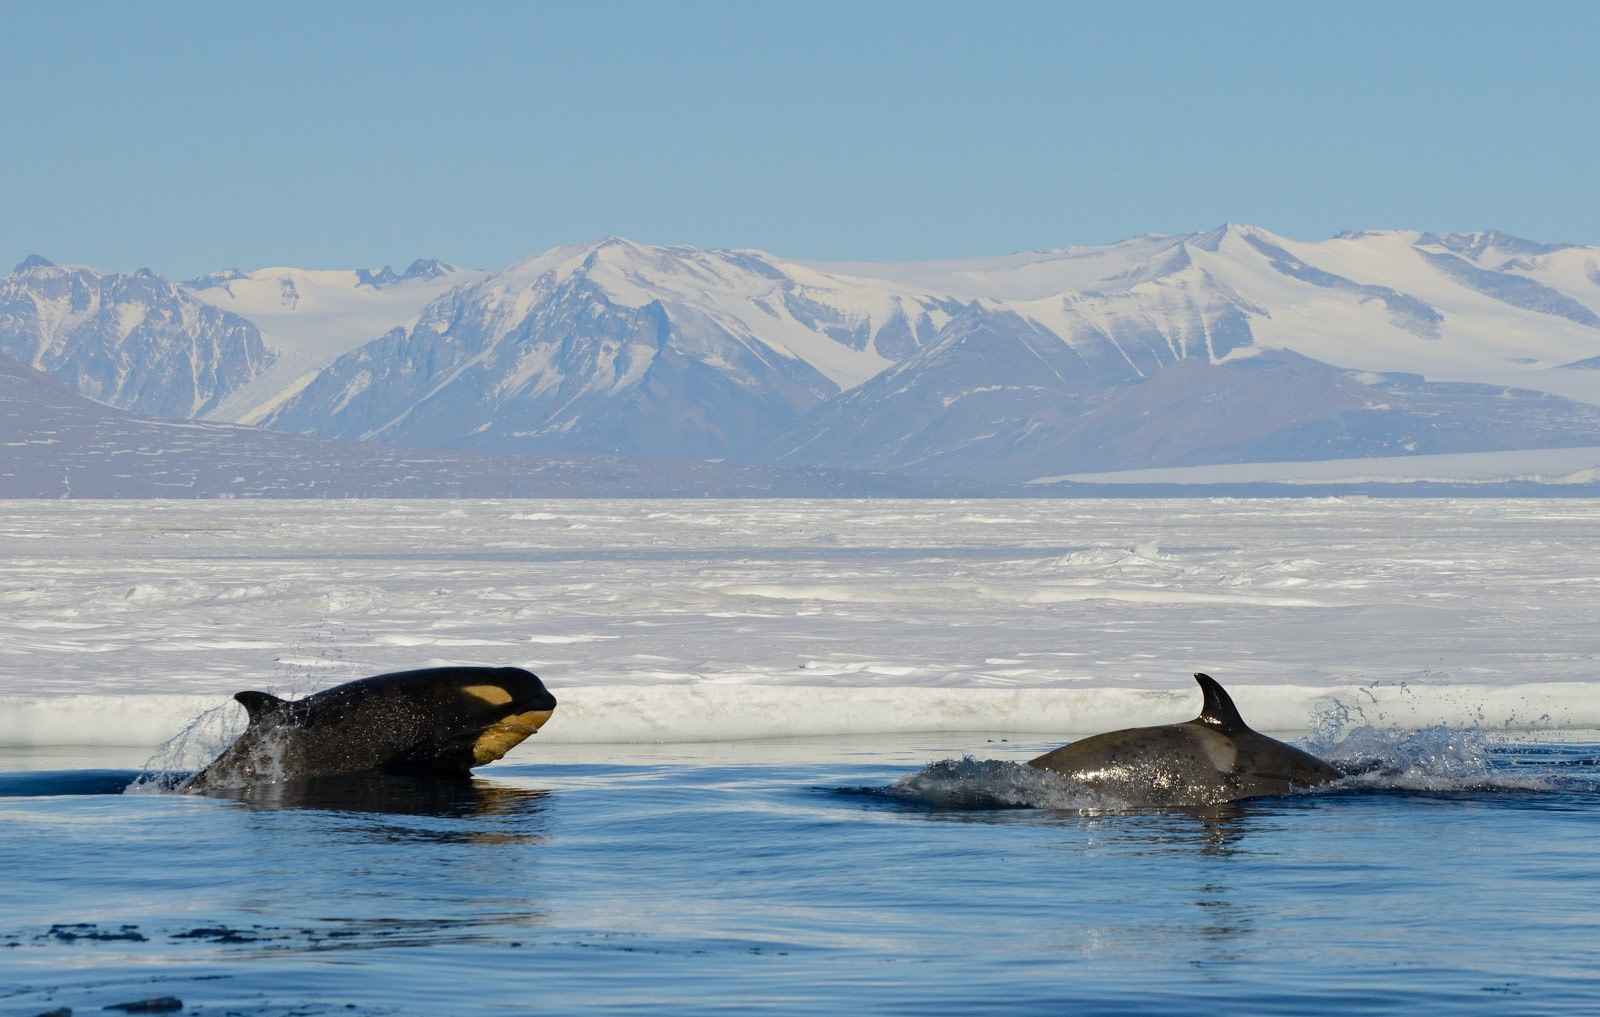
point(800, 882)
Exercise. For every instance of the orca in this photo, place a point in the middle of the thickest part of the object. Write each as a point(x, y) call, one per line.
point(1212, 759)
point(437, 720)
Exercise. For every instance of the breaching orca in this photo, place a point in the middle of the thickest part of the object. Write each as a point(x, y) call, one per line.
point(438, 720)
point(1213, 758)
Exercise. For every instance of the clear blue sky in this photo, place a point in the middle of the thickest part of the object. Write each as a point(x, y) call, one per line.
point(189, 137)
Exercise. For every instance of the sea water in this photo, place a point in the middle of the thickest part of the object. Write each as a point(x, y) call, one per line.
point(1456, 874)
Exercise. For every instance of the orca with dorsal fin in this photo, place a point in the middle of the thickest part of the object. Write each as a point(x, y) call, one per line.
point(1212, 759)
point(439, 720)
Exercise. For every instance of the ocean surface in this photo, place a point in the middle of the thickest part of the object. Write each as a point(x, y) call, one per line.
point(785, 775)
point(1458, 877)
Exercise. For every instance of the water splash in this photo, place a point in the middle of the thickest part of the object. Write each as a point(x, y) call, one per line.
point(1443, 759)
point(190, 749)
point(1377, 754)
point(973, 784)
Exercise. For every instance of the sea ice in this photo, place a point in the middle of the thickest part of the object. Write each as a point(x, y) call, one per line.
point(694, 620)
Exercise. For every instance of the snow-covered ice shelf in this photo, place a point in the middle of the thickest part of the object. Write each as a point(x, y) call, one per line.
point(703, 620)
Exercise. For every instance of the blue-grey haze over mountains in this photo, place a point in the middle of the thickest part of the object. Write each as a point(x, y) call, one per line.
point(1232, 345)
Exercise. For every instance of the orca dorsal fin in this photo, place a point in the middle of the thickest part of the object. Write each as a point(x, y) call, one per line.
point(1218, 711)
point(259, 705)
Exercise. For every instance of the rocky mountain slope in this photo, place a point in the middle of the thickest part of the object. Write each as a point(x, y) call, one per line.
point(131, 340)
point(56, 443)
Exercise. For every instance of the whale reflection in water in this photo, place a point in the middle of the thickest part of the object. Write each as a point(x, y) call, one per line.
point(393, 794)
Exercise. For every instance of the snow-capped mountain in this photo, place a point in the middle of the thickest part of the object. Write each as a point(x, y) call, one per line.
point(1480, 307)
point(309, 318)
point(130, 339)
point(1014, 367)
point(227, 346)
point(1229, 345)
point(1233, 346)
point(617, 347)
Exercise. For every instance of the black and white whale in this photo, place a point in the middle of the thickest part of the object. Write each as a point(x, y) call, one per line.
point(438, 720)
point(1212, 759)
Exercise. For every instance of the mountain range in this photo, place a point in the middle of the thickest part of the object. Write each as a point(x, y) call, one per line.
point(1226, 346)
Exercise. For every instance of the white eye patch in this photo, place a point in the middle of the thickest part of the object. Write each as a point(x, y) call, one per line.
point(494, 695)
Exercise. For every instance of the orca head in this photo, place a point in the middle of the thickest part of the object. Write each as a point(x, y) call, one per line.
point(504, 706)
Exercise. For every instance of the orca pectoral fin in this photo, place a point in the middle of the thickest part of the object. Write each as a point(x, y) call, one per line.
point(1218, 711)
point(260, 705)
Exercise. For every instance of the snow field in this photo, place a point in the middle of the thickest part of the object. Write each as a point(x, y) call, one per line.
point(1553, 466)
point(666, 621)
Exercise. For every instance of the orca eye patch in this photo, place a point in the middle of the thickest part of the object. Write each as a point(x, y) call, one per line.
point(494, 695)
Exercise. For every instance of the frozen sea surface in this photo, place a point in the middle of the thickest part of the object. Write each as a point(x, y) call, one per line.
point(685, 620)
point(785, 773)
